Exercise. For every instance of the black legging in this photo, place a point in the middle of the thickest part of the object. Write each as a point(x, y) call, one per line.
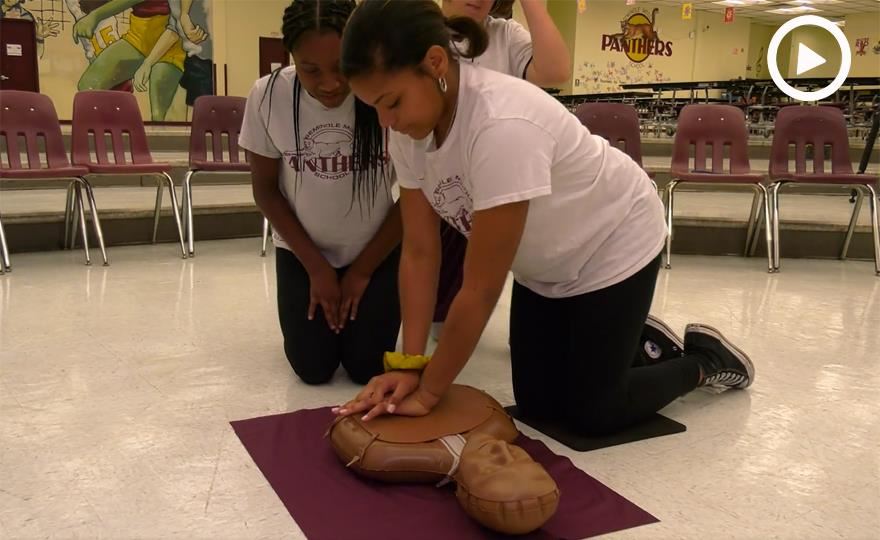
point(572, 357)
point(313, 350)
point(453, 246)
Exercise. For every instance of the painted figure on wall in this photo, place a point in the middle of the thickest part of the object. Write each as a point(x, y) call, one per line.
point(167, 44)
point(106, 32)
point(592, 77)
point(15, 9)
point(149, 53)
point(191, 19)
point(160, 49)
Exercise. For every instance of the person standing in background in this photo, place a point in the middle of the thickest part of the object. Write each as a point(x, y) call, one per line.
point(540, 57)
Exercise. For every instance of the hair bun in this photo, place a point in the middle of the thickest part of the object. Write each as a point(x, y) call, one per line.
point(466, 28)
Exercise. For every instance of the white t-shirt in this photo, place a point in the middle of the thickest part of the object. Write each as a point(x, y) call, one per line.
point(322, 197)
point(509, 51)
point(594, 218)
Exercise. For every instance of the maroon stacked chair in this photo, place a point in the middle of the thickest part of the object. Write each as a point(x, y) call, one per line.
point(218, 117)
point(31, 118)
point(823, 129)
point(98, 114)
point(617, 122)
point(709, 129)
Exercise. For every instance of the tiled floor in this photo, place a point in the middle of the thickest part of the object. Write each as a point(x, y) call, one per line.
point(117, 385)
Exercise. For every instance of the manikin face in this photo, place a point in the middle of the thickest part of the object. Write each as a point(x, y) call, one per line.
point(316, 56)
point(494, 468)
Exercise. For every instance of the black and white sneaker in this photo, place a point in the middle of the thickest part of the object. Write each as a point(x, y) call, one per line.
point(659, 342)
point(724, 365)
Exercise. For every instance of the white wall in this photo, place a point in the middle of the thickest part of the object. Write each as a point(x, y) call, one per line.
point(821, 42)
point(721, 51)
point(238, 46)
point(759, 42)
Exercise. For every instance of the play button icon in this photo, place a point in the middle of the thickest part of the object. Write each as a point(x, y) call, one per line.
point(808, 59)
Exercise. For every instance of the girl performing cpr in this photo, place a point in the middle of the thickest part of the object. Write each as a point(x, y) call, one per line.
point(575, 219)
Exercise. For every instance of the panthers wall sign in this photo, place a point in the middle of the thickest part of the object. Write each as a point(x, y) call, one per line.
point(638, 38)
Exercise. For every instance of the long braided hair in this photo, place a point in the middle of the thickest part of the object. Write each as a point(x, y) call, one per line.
point(370, 170)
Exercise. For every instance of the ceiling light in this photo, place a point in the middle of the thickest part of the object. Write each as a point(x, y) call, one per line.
point(794, 10)
point(741, 3)
point(807, 2)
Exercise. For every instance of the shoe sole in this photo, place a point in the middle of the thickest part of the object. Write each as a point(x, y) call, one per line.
point(736, 351)
point(662, 327)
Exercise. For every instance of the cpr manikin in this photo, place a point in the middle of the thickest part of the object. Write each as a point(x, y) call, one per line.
point(467, 438)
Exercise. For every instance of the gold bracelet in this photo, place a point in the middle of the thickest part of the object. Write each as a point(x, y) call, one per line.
point(395, 360)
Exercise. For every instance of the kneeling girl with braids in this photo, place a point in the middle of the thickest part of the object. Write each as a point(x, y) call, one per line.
point(322, 178)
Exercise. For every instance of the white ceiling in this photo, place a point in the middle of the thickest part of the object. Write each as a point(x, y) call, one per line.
point(758, 9)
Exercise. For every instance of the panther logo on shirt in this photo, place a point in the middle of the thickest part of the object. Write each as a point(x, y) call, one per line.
point(325, 152)
point(453, 203)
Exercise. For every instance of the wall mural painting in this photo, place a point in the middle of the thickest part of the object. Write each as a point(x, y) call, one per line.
point(15, 9)
point(159, 48)
point(635, 46)
point(638, 38)
point(592, 77)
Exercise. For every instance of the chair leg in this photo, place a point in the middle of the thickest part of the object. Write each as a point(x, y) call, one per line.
point(74, 219)
point(5, 264)
point(670, 203)
point(82, 222)
point(875, 225)
point(175, 210)
point(188, 209)
point(753, 221)
point(265, 236)
point(158, 210)
point(768, 236)
point(184, 196)
point(191, 221)
point(853, 221)
point(68, 216)
point(777, 239)
point(761, 221)
point(96, 221)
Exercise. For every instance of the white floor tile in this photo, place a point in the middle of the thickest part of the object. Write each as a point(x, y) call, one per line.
point(117, 386)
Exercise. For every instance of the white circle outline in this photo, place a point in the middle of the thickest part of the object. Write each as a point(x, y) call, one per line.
point(845, 64)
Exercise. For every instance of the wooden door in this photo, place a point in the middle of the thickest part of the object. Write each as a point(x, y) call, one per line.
point(272, 54)
point(18, 55)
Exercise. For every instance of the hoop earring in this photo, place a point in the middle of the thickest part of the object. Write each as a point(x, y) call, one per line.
point(442, 82)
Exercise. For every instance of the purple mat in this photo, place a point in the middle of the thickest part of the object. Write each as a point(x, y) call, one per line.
point(329, 502)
